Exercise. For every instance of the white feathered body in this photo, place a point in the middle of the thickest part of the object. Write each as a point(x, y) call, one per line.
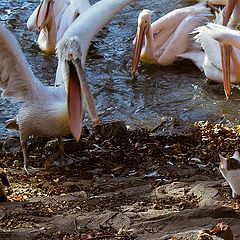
point(43, 111)
point(209, 60)
point(171, 34)
point(45, 117)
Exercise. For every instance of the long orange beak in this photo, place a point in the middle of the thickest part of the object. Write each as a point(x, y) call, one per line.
point(44, 14)
point(227, 49)
point(78, 89)
point(225, 54)
point(139, 40)
point(228, 10)
point(75, 103)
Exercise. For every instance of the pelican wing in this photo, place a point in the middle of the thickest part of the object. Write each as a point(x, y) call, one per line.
point(181, 39)
point(224, 34)
point(16, 78)
point(209, 45)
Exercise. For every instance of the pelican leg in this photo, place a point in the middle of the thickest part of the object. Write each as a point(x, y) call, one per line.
point(24, 150)
point(59, 155)
point(25, 158)
point(62, 153)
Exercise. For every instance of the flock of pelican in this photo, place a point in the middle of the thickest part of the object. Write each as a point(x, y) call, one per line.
point(66, 28)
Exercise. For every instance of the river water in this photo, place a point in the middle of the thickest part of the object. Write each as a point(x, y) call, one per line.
point(178, 91)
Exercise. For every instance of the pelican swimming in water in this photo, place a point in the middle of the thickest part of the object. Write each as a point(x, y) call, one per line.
point(47, 110)
point(167, 37)
point(216, 57)
point(209, 60)
point(52, 18)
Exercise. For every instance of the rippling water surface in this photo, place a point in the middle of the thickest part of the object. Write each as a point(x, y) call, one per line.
point(179, 91)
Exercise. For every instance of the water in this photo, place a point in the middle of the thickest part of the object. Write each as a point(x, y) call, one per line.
point(178, 91)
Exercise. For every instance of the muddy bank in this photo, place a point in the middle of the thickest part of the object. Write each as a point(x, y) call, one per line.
point(122, 183)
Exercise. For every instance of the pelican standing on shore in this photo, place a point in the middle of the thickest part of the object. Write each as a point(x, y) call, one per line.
point(46, 110)
point(167, 37)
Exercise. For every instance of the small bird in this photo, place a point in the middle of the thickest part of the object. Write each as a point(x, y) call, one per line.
point(4, 183)
point(230, 169)
point(168, 36)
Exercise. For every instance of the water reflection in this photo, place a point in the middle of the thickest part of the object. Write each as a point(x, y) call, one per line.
point(178, 91)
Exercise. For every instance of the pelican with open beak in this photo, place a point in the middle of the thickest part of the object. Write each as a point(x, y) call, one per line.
point(54, 110)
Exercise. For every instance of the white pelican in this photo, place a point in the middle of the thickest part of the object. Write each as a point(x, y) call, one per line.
point(215, 58)
point(54, 111)
point(229, 39)
point(45, 110)
point(52, 18)
point(210, 61)
point(168, 36)
point(79, 32)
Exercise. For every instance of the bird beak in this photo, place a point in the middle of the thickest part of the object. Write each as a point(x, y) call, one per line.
point(227, 49)
point(77, 89)
point(138, 43)
point(228, 10)
point(44, 13)
point(75, 103)
point(225, 56)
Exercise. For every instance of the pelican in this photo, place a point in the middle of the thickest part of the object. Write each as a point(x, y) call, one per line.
point(210, 61)
point(52, 18)
point(47, 110)
point(79, 32)
point(168, 36)
point(229, 40)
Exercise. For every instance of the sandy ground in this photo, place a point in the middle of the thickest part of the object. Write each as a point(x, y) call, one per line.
point(123, 183)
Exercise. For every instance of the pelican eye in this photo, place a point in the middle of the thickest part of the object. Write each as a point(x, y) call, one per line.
point(70, 55)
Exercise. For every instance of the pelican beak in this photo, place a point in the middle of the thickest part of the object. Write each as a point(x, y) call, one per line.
point(225, 56)
point(138, 43)
point(75, 103)
point(228, 10)
point(44, 13)
point(77, 89)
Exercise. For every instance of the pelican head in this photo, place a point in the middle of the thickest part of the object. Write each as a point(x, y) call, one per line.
point(144, 22)
point(44, 13)
point(70, 53)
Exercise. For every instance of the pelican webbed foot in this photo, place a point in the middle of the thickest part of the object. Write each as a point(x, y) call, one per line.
point(59, 155)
